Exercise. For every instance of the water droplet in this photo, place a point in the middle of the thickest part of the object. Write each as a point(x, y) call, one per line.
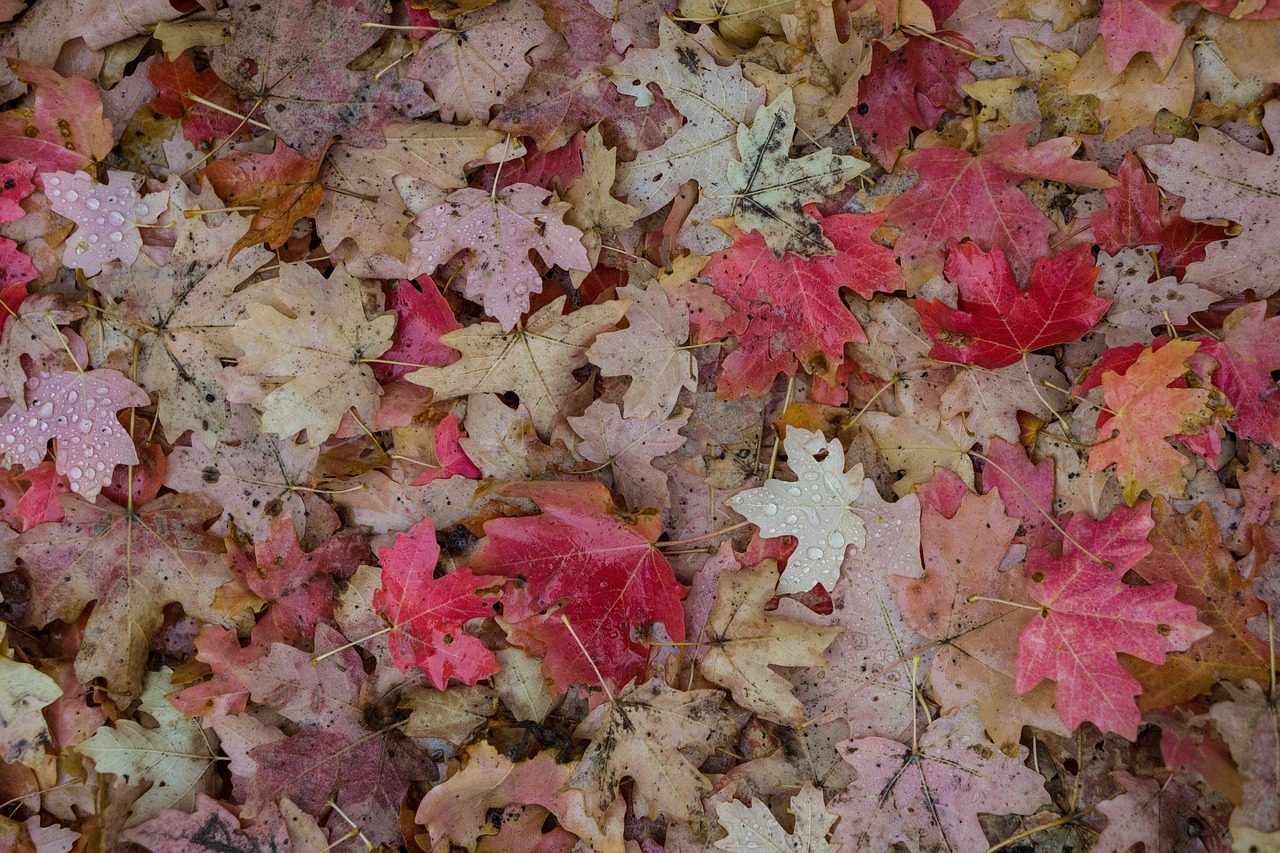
point(32, 422)
point(72, 195)
point(791, 519)
point(813, 552)
point(91, 238)
point(111, 199)
point(9, 439)
point(53, 193)
point(794, 491)
point(115, 236)
point(116, 217)
point(770, 509)
point(21, 448)
point(72, 396)
point(52, 180)
point(46, 410)
point(85, 425)
point(92, 203)
point(75, 473)
point(836, 539)
point(140, 209)
point(100, 221)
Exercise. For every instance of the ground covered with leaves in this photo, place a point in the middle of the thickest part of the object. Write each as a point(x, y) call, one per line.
point(639, 425)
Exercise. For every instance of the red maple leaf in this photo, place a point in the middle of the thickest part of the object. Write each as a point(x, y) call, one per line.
point(283, 185)
point(909, 87)
point(297, 585)
point(960, 196)
point(600, 572)
point(1089, 616)
point(422, 316)
point(427, 613)
point(1136, 216)
point(787, 312)
point(178, 81)
point(451, 459)
point(996, 322)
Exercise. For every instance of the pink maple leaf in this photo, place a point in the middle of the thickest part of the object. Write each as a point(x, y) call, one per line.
point(427, 613)
point(996, 322)
point(77, 411)
point(787, 312)
point(15, 185)
point(108, 216)
point(1246, 356)
point(1089, 616)
point(1130, 27)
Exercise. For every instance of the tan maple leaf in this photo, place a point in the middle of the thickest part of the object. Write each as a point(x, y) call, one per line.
point(536, 361)
point(311, 363)
point(366, 204)
point(594, 210)
point(176, 756)
point(628, 446)
point(24, 691)
point(772, 188)
point(746, 641)
point(651, 350)
point(644, 734)
point(755, 828)
point(714, 100)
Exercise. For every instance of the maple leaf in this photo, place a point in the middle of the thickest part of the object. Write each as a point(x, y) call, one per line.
point(642, 734)
point(628, 446)
point(131, 562)
point(1146, 410)
point(209, 823)
point(314, 356)
point(177, 82)
point(991, 402)
point(616, 582)
point(427, 613)
point(1139, 300)
point(996, 323)
point(283, 185)
point(1220, 179)
point(175, 756)
point(960, 196)
point(1088, 616)
point(978, 658)
point(909, 87)
point(1187, 550)
point(816, 508)
point(745, 643)
point(34, 331)
point(291, 60)
point(1130, 28)
point(481, 58)
point(535, 361)
point(928, 796)
point(651, 350)
point(1134, 97)
point(107, 217)
point(714, 100)
point(457, 809)
point(254, 481)
point(76, 410)
point(63, 129)
point(296, 585)
point(1249, 724)
point(594, 209)
point(500, 230)
point(772, 189)
point(1148, 812)
point(634, 22)
point(1136, 216)
point(365, 203)
point(569, 89)
point(918, 447)
point(422, 317)
point(331, 756)
point(173, 318)
point(15, 185)
point(754, 827)
point(24, 692)
point(1246, 356)
point(787, 312)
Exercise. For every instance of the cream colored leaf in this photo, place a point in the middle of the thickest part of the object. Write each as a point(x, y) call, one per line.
point(175, 757)
point(521, 686)
point(452, 715)
point(595, 211)
point(917, 447)
point(771, 189)
point(650, 350)
point(754, 827)
point(746, 642)
point(24, 691)
point(536, 361)
point(817, 509)
point(644, 734)
point(714, 100)
point(308, 350)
